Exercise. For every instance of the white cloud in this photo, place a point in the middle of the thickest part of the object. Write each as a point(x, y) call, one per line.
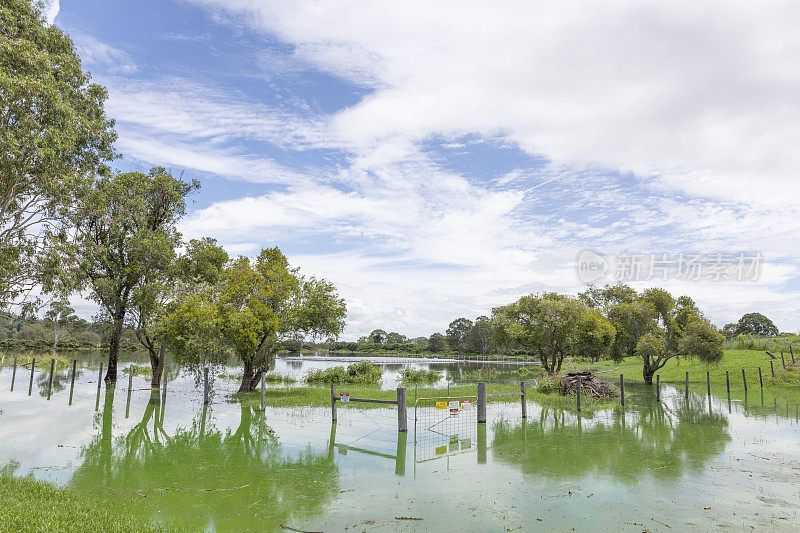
point(669, 127)
point(97, 54)
point(50, 10)
point(701, 95)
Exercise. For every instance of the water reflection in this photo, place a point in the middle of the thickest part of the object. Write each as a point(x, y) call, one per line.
point(648, 438)
point(240, 479)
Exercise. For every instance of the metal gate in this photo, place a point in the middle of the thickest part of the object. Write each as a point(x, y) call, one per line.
point(444, 426)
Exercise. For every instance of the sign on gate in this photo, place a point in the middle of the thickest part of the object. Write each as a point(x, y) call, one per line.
point(344, 396)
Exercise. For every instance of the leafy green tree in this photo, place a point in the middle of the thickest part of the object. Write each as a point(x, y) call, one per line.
point(631, 321)
point(250, 312)
point(608, 296)
point(729, 330)
point(437, 343)
point(479, 337)
point(54, 136)
point(756, 324)
point(595, 336)
point(681, 331)
point(395, 338)
point(122, 239)
point(457, 332)
point(546, 324)
point(202, 263)
point(60, 314)
point(378, 336)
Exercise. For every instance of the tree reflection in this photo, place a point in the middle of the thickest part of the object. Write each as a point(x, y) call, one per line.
point(205, 478)
point(647, 439)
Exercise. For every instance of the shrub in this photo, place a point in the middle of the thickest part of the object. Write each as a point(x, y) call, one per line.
point(419, 375)
point(363, 372)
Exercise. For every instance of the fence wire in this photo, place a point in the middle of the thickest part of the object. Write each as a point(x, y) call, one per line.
point(444, 426)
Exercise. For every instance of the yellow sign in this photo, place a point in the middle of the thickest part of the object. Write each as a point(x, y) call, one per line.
point(441, 405)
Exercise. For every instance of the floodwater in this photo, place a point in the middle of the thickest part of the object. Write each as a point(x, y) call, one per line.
point(673, 465)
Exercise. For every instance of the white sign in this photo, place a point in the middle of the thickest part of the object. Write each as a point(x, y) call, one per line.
point(344, 396)
point(454, 405)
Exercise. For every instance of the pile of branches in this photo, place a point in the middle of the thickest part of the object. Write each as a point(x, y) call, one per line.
point(589, 385)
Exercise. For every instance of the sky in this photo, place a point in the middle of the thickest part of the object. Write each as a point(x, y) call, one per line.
point(438, 159)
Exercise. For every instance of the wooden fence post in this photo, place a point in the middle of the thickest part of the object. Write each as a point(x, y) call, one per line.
point(30, 385)
point(402, 410)
point(14, 374)
point(333, 402)
point(578, 393)
point(621, 389)
point(744, 380)
point(523, 400)
point(481, 403)
point(658, 387)
point(687, 385)
point(760, 378)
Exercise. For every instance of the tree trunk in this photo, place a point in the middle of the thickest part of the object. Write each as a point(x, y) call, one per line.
point(647, 373)
point(156, 366)
point(113, 349)
point(247, 377)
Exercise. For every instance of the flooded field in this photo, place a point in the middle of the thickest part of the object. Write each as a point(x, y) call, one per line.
point(670, 466)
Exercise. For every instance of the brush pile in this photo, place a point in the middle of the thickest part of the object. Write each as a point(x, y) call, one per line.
point(590, 385)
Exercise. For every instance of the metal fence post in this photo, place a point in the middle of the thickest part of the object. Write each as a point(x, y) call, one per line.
point(687, 385)
point(744, 380)
point(523, 400)
point(760, 378)
point(708, 382)
point(14, 374)
point(578, 393)
point(621, 389)
point(333, 402)
point(30, 385)
point(50, 381)
point(100, 377)
point(728, 382)
point(264, 392)
point(205, 386)
point(772, 368)
point(783, 361)
point(72, 381)
point(402, 413)
point(658, 387)
point(481, 403)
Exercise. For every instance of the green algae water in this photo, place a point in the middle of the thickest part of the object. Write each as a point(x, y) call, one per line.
point(673, 465)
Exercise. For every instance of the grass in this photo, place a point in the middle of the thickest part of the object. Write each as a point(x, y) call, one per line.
point(30, 505)
point(785, 384)
point(315, 396)
point(63, 362)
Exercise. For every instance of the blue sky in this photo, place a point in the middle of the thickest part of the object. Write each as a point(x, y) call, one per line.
point(437, 160)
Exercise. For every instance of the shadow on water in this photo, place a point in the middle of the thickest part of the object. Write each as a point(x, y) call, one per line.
point(647, 438)
point(204, 478)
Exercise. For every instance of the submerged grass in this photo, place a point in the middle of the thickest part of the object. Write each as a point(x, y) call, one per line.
point(30, 505)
